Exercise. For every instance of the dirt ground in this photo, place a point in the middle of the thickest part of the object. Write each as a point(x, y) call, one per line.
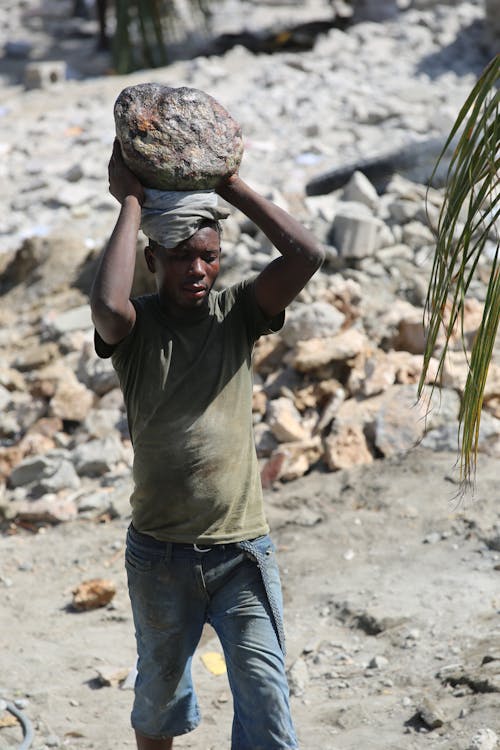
point(392, 600)
point(392, 603)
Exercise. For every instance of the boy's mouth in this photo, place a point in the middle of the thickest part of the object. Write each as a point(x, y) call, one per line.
point(194, 290)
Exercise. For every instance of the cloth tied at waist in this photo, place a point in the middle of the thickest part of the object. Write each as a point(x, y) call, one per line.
point(172, 216)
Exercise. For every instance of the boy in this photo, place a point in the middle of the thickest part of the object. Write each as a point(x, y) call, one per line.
point(198, 548)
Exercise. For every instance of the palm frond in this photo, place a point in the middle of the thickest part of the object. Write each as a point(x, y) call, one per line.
point(468, 218)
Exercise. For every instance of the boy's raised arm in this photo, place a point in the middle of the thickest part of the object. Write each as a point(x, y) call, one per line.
point(112, 312)
point(280, 282)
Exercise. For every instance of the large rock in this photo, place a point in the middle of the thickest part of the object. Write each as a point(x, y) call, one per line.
point(346, 447)
point(176, 138)
point(317, 320)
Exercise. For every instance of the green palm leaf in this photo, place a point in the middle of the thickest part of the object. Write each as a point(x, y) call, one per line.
point(468, 218)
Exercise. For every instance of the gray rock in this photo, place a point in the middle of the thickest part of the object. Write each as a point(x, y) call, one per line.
point(97, 457)
point(443, 411)
point(432, 715)
point(360, 189)
point(97, 374)
point(176, 138)
point(77, 319)
point(484, 739)
point(311, 321)
point(265, 442)
point(113, 500)
point(378, 662)
point(48, 473)
point(100, 423)
point(355, 232)
point(442, 439)
point(4, 398)
point(42, 75)
point(298, 677)
point(398, 425)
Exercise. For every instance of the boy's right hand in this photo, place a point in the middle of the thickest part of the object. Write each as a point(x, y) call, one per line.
point(122, 181)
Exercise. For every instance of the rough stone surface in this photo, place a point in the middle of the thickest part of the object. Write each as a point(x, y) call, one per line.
point(346, 447)
point(176, 138)
point(484, 739)
point(399, 425)
point(311, 321)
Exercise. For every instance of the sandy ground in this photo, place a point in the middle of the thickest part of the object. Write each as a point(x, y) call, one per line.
point(391, 594)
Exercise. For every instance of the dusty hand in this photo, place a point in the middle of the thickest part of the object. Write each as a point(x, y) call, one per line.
point(122, 181)
point(228, 184)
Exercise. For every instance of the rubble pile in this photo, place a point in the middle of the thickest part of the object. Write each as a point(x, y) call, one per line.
point(335, 388)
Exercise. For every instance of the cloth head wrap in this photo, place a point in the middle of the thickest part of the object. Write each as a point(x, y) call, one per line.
point(170, 217)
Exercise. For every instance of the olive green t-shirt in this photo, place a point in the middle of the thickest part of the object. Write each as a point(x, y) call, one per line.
point(188, 393)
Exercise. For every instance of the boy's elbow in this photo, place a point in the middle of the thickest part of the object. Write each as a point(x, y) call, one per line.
point(316, 256)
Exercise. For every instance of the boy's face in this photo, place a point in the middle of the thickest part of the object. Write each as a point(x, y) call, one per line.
point(186, 273)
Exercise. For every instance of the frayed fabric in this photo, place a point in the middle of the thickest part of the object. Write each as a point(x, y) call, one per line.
point(170, 217)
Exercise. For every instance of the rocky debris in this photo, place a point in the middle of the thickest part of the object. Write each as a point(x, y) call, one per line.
point(431, 714)
point(336, 387)
point(93, 594)
point(480, 670)
point(110, 676)
point(484, 739)
point(176, 138)
point(298, 677)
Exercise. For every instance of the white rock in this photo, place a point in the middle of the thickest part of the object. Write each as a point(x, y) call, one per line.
point(360, 189)
point(284, 421)
point(400, 424)
point(346, 447)
point(484, 739)
point(311, 321)
point(41, 75)
point(355, 234)
point(298, 677)
point(310, 355)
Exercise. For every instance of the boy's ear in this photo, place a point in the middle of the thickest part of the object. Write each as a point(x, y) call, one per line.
point(150, 258)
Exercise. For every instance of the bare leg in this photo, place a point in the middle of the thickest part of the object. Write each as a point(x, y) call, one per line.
point(144, 743)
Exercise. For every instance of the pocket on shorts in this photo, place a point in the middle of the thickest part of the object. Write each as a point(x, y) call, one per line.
point(140, 559)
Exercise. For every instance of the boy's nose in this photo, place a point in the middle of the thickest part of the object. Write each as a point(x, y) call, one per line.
point(196, 267)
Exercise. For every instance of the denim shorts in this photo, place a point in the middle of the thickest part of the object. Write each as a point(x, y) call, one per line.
point(174, 590)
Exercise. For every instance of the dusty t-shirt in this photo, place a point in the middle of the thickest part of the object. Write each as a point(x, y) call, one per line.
point(188, 392)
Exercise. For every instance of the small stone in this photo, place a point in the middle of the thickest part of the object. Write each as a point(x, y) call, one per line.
point(360, 189)
point(79, 318)
point(485, 739)
point(71, 401)
point(355, 234)
point(41, 75)
point(378, 662)
point(346, 447)
point(298, 677)
point(432, 538)
point(431, 715)
point(400, 423)
point(176, 138)
point(317, 320)
point(48, 509)
point(284, 421)
point(315, 353)
point(112, 676)
point(93, 594)
point(97, 457)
